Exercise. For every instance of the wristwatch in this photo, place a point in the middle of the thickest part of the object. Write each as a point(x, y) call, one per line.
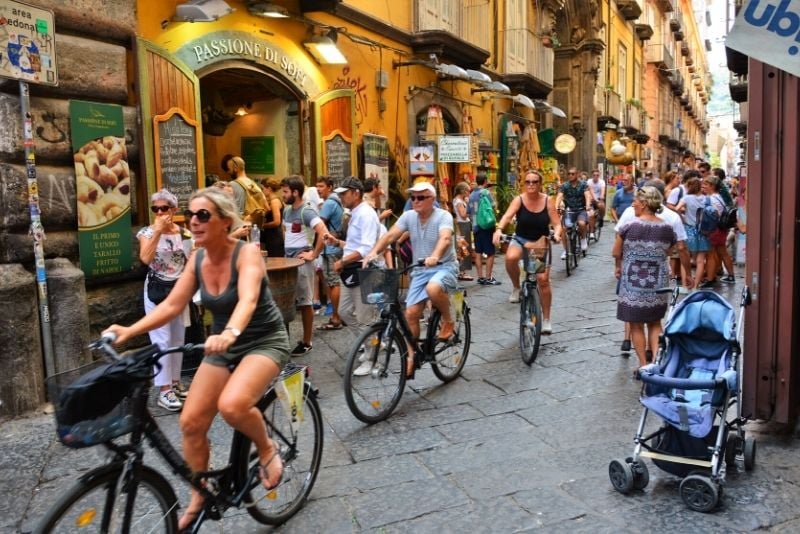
point(235, 331)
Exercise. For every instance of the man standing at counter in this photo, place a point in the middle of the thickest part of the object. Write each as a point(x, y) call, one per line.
point(301, 223)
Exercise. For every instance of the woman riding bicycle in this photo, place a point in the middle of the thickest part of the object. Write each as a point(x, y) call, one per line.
point(431, 231)
point(535, 215)
point(248, 333)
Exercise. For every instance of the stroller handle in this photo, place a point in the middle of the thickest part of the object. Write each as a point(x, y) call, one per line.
point(679, 383)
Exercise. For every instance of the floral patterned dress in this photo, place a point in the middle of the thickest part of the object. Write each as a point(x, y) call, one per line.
point(644, 269)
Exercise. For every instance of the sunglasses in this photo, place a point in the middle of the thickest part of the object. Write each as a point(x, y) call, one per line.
point(202, 215)
point(531, 182)
point(160, 209)
point(420, 198)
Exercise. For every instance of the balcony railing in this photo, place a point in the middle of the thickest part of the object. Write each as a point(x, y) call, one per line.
point(613, 105)
point(660, 55)
point(631, 119)
point(538, 59)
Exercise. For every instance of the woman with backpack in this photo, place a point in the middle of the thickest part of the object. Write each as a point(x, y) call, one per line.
point(696, 241)
point(718, 239)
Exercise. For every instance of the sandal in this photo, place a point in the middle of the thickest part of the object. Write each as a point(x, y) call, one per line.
point(193, 517)
point(263, 469)
point(448, 337)
point(465, 278)
point(330, 325)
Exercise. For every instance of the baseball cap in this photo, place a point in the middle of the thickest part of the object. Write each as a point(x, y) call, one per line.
point(351, 182)
point(422, 186)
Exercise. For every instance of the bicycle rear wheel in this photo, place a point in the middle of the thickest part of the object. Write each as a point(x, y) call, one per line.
point(98, 502)
point(300, 439)
point(451, 356)
point(530, 324)
point(373, 396)
point(574, 246)
point(568, 252)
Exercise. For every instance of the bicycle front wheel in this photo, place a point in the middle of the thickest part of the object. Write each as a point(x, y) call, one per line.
point(102, 502)
point(299, 436)
point(530, 324)
point(568, 251)
point(374, 378)
point(574, 246)
point(450, 357)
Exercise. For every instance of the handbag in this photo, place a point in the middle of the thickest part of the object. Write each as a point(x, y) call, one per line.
point(349, 275)
point(158, 289)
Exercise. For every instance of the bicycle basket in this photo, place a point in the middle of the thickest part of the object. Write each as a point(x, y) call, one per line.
point(379, 286)
point(93, 403)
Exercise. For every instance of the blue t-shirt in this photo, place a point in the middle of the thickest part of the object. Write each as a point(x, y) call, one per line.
point(332, 214)
point(622, 200)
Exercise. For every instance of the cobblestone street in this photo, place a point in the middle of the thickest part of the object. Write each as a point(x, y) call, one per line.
point(504, 448)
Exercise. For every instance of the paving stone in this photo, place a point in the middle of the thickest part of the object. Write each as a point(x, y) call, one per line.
point(367, 448)
point(408, 420)
point(367, 475)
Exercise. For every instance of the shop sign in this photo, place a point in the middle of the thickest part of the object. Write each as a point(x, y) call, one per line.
point(376, 158)
point(259, 154)
point(219, 46)
point(27, 43)
point(338, 157)
point(455, 148)
point(103, 187)
point(422, 162)
point(769, 31)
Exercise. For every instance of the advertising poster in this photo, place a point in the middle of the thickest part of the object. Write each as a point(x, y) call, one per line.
point(376, 158)
point(103, 186)
point(422, 161)
point(27, 43)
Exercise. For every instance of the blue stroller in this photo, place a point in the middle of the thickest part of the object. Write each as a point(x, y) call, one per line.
point(693, 383)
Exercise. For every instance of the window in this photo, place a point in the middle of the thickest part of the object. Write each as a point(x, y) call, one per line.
point(516, 35)
point(622, 72)
point(475, 26)
point(438, 15)
point(636, 91)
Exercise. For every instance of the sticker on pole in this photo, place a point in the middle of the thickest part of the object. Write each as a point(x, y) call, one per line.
point(290, 395)
point(769, 31)
point(27, 43)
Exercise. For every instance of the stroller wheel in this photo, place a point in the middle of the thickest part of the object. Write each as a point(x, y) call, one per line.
point(732, 448)
point(621, 475)
point(699, 493)
point(749, 454)
point(641, 476)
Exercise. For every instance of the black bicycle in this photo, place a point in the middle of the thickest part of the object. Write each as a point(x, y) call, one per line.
point(534, 261)
point(125, 495)
point(571, 239)
point(373, 396)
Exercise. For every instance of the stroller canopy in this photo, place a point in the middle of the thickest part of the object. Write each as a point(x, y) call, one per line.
point(702, 323)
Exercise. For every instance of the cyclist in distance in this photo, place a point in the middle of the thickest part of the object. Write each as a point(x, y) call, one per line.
point(431, 233)
point(575, 195)
point(535, 214)
point(247, 332)
point(597, 187)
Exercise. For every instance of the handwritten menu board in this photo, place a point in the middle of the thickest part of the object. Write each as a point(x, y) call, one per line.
point(338, 158)
point(177, 148)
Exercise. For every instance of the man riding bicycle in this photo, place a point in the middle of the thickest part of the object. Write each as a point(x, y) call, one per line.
point(597, 187)
point(578, 200)
point(431, 234)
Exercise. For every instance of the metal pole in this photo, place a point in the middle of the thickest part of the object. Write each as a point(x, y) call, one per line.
point(37, 230)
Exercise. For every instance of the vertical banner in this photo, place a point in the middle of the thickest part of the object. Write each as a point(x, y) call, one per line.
point(376, 158)
point(103, 185)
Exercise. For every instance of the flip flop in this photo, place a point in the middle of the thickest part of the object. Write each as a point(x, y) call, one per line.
point(263, 469)
point(465, 278)
point(330, 325)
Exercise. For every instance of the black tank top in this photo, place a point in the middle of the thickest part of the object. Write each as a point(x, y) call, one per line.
point(532, 225)
point(266, 317)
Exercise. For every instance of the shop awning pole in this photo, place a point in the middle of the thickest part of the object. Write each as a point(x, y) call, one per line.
point(36, 230)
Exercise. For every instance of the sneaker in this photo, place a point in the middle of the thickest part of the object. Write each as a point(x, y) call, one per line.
point(626, 346)
point(706, 284)
point(169, 401)
point(547, 328)
point(591, 236)
point(301, 349)
point(491, 281)
point(180, 390)
point(513, 298)
point(564, 255)
point(317, 305)
point(364, 369)
point(600, 223)
point(482, 281)
point(329, 309)
point(728, 279)
point(584, 244)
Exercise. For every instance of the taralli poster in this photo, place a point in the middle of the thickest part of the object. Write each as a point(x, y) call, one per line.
point(103, 186)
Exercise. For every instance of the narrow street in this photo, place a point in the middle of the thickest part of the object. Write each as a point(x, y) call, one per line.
point(505, 448)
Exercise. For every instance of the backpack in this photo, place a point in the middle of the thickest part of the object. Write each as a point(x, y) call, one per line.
point(707, 217)
point(729, 218)
point(255, 202)
point(341, 232)
point(485, 217)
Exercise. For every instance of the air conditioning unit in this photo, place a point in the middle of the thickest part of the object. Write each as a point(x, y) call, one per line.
point(201, 10)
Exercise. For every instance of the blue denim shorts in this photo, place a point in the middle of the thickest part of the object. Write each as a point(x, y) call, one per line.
point(444, 275)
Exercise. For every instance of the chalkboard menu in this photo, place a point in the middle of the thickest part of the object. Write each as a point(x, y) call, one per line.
point(259, 154)
point(338, 158)
point(177, 149)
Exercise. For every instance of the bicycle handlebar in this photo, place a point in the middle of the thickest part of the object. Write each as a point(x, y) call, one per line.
point(105, 344)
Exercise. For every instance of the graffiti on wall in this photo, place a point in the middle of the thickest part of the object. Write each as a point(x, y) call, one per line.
point(345, 81)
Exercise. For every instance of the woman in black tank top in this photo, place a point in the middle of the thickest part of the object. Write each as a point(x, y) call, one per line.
point(535, 214)
point(247, 333)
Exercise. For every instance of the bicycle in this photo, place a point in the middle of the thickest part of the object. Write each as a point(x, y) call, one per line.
point(373, 397)
point(530, 301)
point(571, 239)
point(594, 237)
point(128, 496)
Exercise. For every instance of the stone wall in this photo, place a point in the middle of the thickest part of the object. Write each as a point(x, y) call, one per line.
point(93, 46)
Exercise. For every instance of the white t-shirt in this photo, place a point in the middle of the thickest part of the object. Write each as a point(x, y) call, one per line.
point(666, 215)
point(598, 188)
point(363, 230)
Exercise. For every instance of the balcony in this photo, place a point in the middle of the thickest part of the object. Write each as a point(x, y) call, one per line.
point(630, 9)
point(666, 132)
point(676, 25)
point(660, 56)
point(684, 99)
point(676, 82)
point(738, 87)
point(535, 77)
point(612, 113)
point(684, 49)
point(631, 119)
point(643, 31)
point(667, 6)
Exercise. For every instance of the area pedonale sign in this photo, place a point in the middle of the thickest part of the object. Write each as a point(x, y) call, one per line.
point(769, 31)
